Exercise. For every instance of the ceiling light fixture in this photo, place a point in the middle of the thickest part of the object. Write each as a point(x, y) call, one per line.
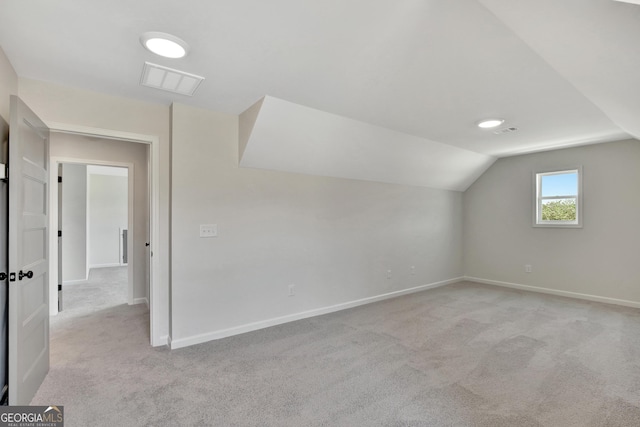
point(164, 44)
point(490, 123)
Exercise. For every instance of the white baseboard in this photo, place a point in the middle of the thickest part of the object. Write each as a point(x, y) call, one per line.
point(106, 265)
point(237, 330)
point(162, 340)
point(557, 292)
point(75, 282)
point(141, 301)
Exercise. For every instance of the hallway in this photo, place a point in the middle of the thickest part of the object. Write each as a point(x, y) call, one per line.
point(106, 287)
point(97, 332)
point(88, 305)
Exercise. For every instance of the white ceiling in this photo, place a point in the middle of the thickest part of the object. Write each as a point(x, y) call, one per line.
point(564, 72)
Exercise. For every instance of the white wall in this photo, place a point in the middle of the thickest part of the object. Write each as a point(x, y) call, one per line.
point(62, 104)
point(333, 238)
point(108, 214)
point(86, 149)
point(8, 85)
point(600, 259)
point(74, 223)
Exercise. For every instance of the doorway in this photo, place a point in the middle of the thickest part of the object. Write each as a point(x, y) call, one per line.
point(95, 218)
point(96, 153)
point(33, 236)
point(157, 298)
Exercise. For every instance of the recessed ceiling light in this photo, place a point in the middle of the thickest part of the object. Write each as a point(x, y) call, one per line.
point(164, 44)
point(490, 123)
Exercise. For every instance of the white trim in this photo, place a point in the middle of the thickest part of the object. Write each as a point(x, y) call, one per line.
point(100, 132)
point(155, 275)
point(143, 300)
point(106, 265)
point(236, 330)
point(575, 295)
point(75, 282)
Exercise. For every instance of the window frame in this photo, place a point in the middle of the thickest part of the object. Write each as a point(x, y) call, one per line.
point(538, 199)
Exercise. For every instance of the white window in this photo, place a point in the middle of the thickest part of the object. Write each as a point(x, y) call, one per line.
point(558, 200)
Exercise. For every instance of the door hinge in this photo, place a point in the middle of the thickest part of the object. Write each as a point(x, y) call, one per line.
point(59, 179)
point(4, 172)
point(59, 233)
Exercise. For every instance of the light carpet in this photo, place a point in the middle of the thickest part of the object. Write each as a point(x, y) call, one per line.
point(462, 355)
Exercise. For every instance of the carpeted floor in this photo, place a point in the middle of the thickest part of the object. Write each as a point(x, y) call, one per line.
point(106, 287)
point(462, 355)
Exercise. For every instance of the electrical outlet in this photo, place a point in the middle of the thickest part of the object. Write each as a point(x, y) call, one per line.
point(292, 290)
point(527, 268)
point(208, 230)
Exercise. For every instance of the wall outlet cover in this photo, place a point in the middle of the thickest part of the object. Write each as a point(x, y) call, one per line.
point(208, 230)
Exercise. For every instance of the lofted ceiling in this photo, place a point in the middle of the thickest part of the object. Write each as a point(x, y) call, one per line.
point(400, 75)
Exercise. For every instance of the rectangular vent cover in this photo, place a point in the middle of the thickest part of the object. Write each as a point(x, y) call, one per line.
point(165, 78)
point(505, 130)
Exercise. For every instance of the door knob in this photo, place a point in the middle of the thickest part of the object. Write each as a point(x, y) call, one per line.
point(3, 276)
point(28, 275)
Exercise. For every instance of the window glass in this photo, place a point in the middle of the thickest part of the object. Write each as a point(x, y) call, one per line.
point(557, 199)
point(560, 184)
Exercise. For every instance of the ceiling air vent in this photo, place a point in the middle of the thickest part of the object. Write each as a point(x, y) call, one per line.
point(505, 130)
point(165, 78)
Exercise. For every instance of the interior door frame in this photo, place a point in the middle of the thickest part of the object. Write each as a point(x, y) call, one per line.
point(155, 273)
point(54, 162)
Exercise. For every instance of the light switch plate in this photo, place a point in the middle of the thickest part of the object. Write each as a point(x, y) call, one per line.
point(208, 230)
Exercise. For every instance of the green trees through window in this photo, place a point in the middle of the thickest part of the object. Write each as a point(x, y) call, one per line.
point(560, 210)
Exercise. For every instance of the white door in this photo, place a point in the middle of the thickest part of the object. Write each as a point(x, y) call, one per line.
point(28, 253)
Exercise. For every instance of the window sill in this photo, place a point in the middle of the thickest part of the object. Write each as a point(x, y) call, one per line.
point(557, 225)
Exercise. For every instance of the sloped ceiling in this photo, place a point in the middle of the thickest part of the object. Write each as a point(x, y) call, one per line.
point(594, 45)
point(289, 137)
point(398, 79)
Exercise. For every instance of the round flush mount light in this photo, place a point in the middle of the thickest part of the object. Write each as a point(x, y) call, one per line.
point(490, 123)
point(164, 44)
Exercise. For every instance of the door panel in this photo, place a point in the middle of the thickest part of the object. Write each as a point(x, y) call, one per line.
point(28, 253)
point(33, 251)
point(37, 193)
